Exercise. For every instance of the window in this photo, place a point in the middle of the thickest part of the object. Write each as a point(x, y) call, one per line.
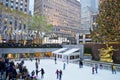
point(16, 2)
point(16, 8)
point(11, 6)
point(25, 5)
point(25, 10)
point(7, 4)
point(21, 9)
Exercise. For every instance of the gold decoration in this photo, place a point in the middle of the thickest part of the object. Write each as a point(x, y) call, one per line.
point(106, 53)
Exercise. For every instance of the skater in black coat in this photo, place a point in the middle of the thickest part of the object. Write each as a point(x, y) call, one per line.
point(42, 73)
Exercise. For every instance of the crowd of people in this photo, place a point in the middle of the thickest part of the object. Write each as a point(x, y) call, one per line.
point(11, 71)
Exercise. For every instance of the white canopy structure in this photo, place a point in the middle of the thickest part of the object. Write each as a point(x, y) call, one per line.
point(59, 50)
point(57, 53)
point(71, 51)
point(72, 54)
point(67, 54)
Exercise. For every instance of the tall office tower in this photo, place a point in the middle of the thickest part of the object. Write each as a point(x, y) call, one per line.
point(14, 26)
point(65, 15)
point(89, 11)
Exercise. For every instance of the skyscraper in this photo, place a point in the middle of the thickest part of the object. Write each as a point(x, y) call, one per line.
point(89, 11)
point(65, 15)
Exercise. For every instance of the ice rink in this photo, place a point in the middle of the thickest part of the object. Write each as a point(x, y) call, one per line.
point(71, 72)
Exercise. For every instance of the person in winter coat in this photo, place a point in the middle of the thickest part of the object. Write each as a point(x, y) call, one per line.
point(64, 65)
point(57, 72)
point(37, 72)
point(113, 69)
point(93, 69)
point(80, 64)
point(101, 66)
point(60, 74)
point(96, 68)
point(33, 73)
point(42, 73)
point(55, 60)
point(36, 65)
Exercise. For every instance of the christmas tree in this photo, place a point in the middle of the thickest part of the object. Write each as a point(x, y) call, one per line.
point(108, 21)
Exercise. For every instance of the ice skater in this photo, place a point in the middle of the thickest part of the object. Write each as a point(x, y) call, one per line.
point(37, 72)
point(42, 73)
point(101, 66)
point(55, 60)
point(64, 66)
point(57, 72)
point(60, 75)
point(36, 65)
point(67, 59)
point(96, 68)
point(93, 69)
point(32, 73)
point(80, 64)
point(113, 69)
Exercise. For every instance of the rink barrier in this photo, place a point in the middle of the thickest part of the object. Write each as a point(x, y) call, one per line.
point(105, 65)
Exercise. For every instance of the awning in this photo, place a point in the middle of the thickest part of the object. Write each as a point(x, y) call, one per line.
point(71, 51)
point(59, 50)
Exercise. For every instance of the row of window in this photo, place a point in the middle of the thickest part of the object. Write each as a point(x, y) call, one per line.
point(21, 7)
point(16, 24)
point(16, 0)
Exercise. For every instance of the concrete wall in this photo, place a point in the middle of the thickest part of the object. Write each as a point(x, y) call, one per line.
point(34, 50)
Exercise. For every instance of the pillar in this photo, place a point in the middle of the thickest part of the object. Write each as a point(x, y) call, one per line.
point(83, 38)
point(77, 38)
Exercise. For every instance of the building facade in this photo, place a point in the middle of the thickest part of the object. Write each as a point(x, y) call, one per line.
point(13, 25)
point(64, 15)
